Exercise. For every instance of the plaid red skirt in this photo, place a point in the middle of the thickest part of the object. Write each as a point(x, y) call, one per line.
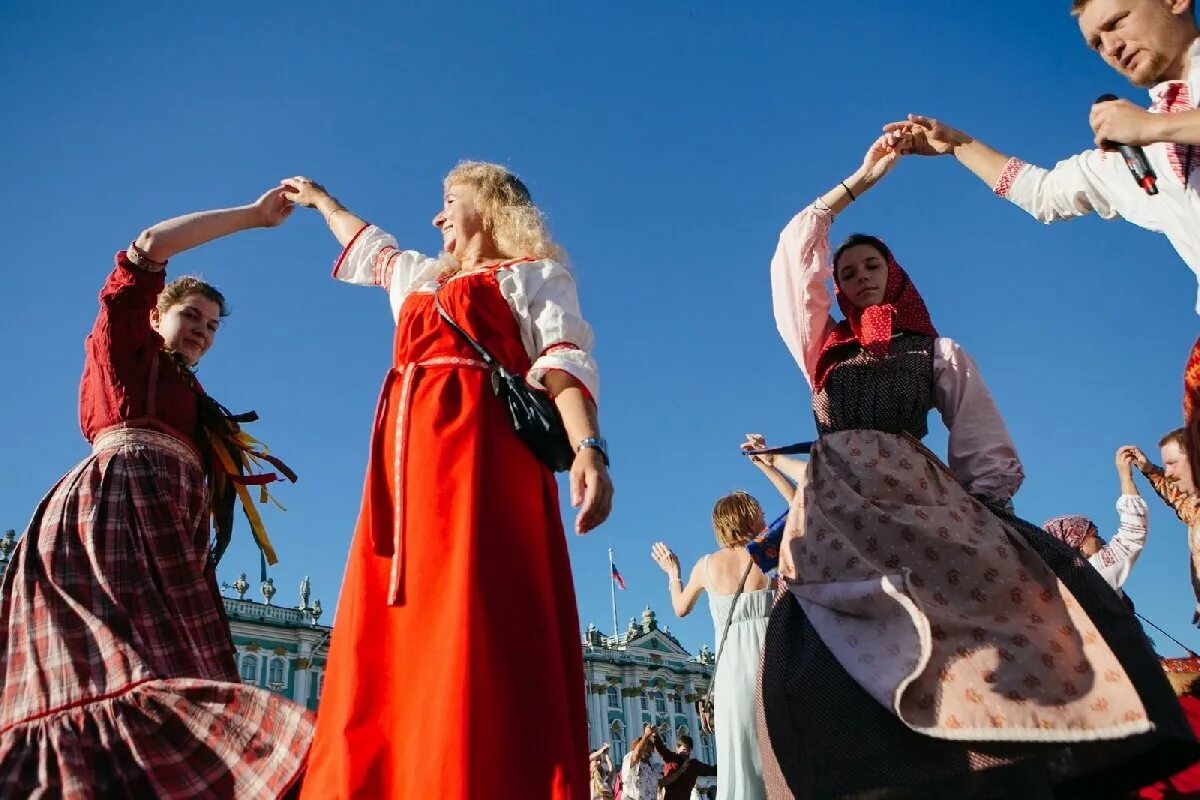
point(117, 673)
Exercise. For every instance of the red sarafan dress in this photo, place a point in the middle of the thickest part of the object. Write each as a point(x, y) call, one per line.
point(456, 670)
point(117, 674)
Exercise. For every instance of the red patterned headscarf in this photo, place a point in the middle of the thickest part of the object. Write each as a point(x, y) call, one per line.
point(1070, 530)
point(872, 327)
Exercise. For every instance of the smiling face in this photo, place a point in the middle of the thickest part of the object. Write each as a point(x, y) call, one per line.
point(1144, 40)
point(861, 273)
point(188, 326)
point(460, 220)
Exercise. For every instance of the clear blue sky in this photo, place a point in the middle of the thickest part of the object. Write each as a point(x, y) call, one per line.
point(669, 143)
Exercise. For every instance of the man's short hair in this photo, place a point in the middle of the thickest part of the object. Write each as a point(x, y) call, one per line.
point(1077, 7)
point(1175, 437)
point(685, 739)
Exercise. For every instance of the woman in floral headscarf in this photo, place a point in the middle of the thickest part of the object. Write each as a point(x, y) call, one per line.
point(1115, 559)
point(930, 643)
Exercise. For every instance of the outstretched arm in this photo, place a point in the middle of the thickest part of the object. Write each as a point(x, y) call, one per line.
point(929, 137)
point(1183, 503)
point(683, 598)
point(173, 236)
point(784, 473)
point(1082, 184)
point(800, 266)
point(342, 223)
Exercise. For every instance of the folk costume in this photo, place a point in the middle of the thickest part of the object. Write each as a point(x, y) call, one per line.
point(456, 657)
point(929, 641)
point(1115, 558)
point(117, 667)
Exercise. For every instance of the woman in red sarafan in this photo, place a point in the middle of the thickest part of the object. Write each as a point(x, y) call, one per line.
point(117, 673)
point(456, 625)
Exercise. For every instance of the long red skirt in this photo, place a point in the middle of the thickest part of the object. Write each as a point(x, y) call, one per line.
point(455, 669)
point(117, 670)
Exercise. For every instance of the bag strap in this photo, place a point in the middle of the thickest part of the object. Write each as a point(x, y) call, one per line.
point(729, 620)
point(487, 357)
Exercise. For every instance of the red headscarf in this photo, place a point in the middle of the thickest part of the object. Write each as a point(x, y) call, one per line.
point(902, 309)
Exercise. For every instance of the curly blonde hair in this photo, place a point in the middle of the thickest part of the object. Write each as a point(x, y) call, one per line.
point(516, 225)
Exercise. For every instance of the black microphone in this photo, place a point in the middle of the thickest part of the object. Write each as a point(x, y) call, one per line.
point(1135, 158)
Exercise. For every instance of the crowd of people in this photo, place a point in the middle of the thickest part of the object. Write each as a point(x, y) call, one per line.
point(908, 635)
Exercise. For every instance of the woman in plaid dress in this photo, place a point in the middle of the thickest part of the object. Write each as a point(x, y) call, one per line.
point(117, 673)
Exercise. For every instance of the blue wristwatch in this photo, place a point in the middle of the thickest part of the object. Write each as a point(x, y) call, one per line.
point(597, 443)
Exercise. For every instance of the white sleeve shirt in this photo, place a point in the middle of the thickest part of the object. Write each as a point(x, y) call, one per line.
point(1099, 182)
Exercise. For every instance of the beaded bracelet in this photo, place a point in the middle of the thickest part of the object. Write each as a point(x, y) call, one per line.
point(138, 258)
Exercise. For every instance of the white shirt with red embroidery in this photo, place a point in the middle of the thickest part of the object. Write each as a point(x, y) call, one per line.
point(1096, 181)
point(541, 294)
point(1115, 560)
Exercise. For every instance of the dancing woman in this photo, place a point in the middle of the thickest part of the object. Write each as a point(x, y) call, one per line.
point(930, 643)
point(457, 632)
point(118, 672)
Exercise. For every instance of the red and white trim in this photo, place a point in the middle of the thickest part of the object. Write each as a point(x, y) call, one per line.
point(554, 348)
point(1007, 176)
point(1174, 98)
point(385, 260)
point(346, 250)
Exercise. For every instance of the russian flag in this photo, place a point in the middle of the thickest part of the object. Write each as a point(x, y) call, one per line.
point(616, 576)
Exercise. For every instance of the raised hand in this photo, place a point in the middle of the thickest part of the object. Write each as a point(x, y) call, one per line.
point(755, 441)
point(304, 191)
point(883, 154)
point(1127, 457)
point(929, 137)
point(666, 560)
point(272, 207)
point(1139, 458)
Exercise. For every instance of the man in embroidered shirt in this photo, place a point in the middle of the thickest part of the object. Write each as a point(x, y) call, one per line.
point(1153, 44)
point(1174, 484)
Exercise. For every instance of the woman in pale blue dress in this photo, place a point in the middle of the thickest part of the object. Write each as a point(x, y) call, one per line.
point(737, 518)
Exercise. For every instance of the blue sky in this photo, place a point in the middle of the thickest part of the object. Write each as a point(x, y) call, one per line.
point(669, 143)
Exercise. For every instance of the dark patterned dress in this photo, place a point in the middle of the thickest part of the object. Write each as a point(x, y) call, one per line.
point(832, 735)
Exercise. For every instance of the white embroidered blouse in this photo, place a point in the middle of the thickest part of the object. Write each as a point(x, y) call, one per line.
point(1096, 181)
point(980, 453)
point(541, 294)
point(1115, 560)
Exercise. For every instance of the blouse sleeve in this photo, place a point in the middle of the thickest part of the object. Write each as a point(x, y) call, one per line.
point(372, 258)
point(1115, 560)
point(560, 337)
point(799, 295)
point(123, 325)
point(981, 453)
point(1083, 184)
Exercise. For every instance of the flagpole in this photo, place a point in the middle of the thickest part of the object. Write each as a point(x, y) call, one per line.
point(612, 588)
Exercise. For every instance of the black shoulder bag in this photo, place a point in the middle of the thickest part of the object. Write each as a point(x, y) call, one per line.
point(534, 416)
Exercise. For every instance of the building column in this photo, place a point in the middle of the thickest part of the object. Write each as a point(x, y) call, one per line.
point(690, 710)
point(300, 688)
point(633, 712)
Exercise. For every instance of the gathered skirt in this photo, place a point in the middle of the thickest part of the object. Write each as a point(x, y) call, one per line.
point(117, 667)
point(929, 646)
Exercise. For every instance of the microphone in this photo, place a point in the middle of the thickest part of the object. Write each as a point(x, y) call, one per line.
point(1135, 158)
